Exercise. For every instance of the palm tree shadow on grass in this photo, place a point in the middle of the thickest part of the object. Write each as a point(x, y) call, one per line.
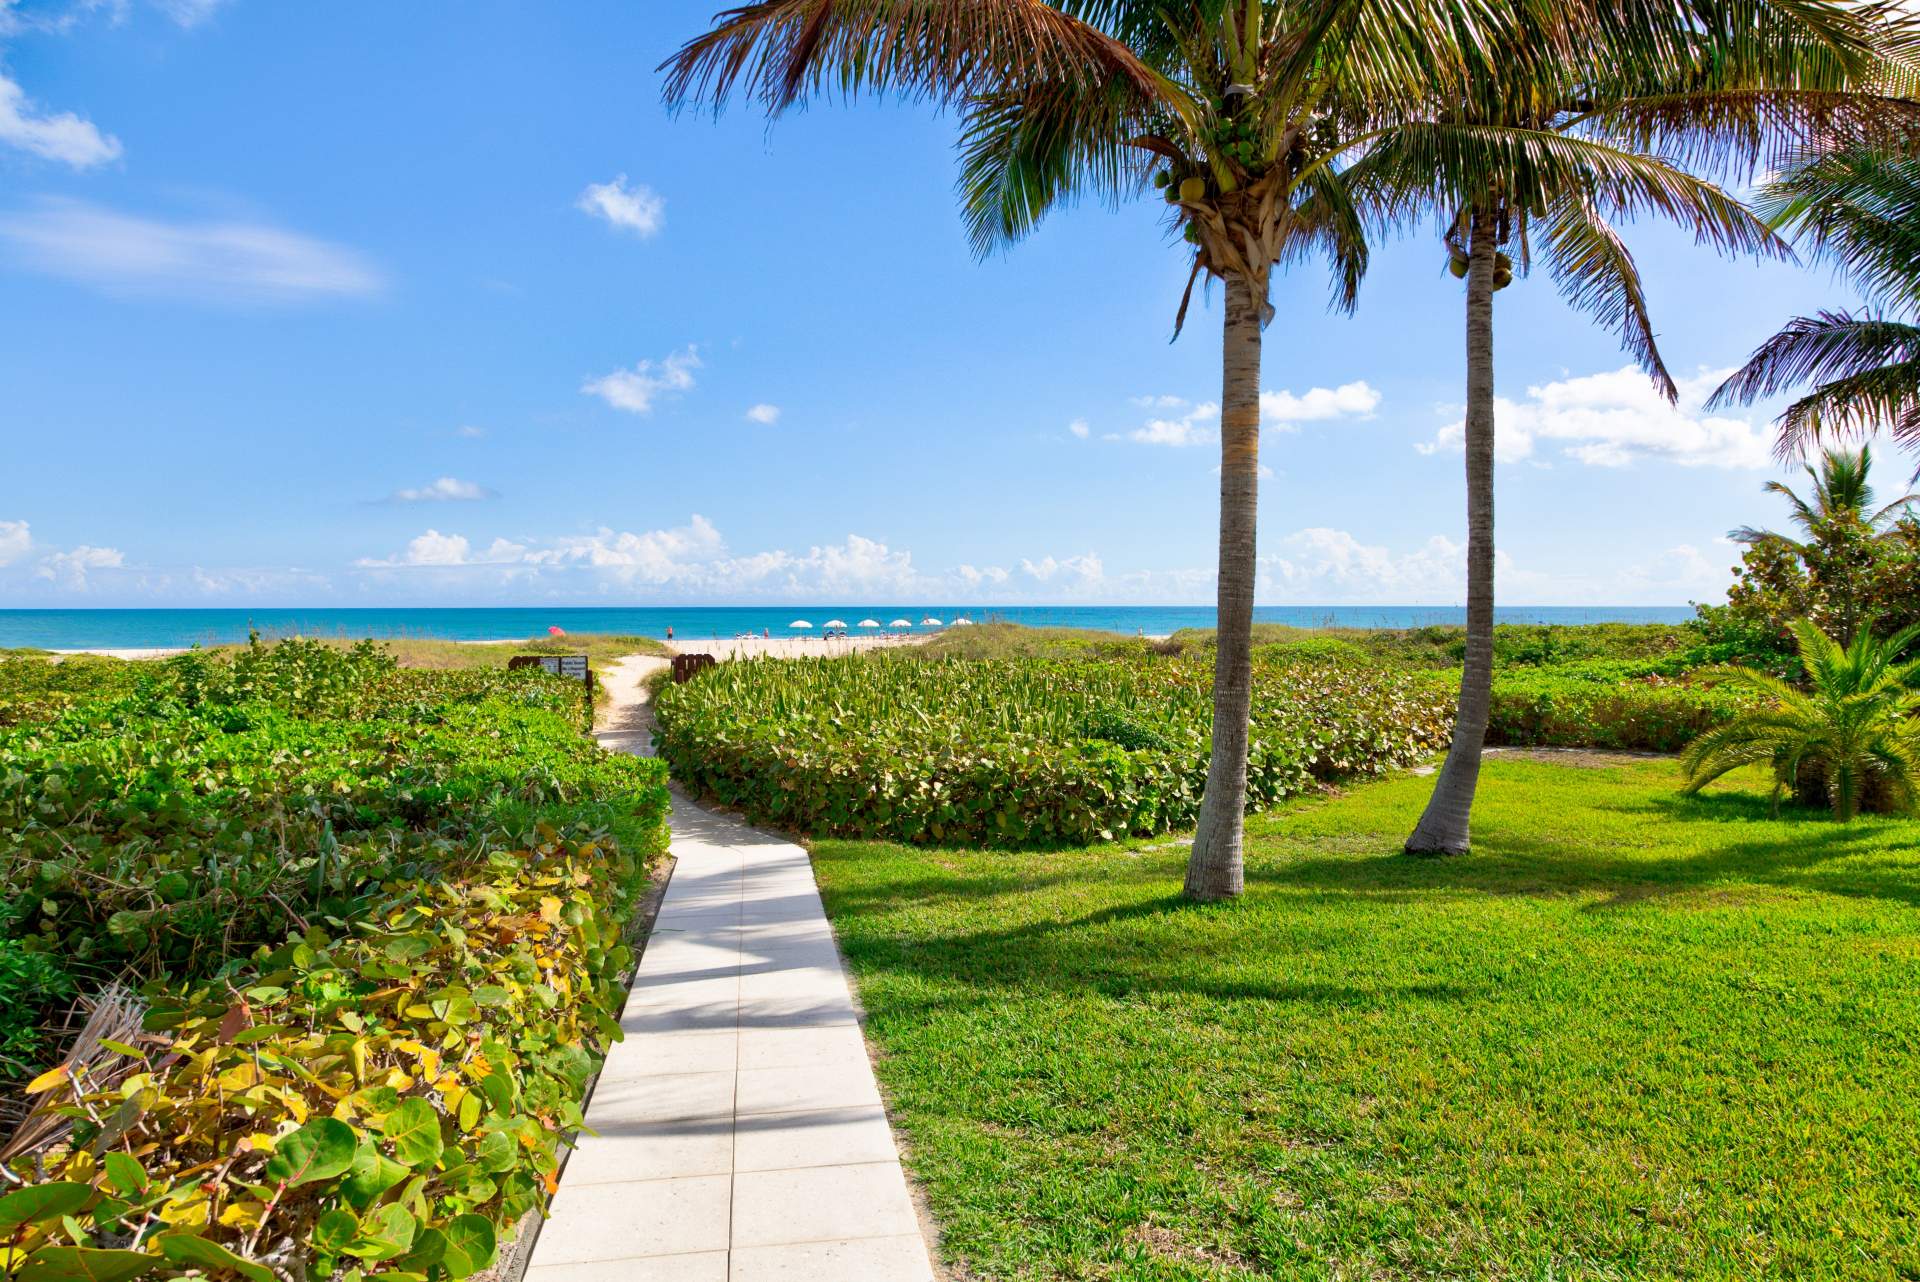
point(1508, 863)
point(1082, 954)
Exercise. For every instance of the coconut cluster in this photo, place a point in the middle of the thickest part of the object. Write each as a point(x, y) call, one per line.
point(1502, 268)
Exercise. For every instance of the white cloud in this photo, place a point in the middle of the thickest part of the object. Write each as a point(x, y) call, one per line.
point(468, 431)
point(690, 560)
point(1190, 423)
point(446, 489)
point(233, 261)
point(1079, 428)
point(636, 209)
point(1083, 569)
point(1321, 564)
point(436, 550)
point(69, 569)
point(634, 390)
point(257, 583)
point(64, 137)
point(1617, 419)
point(764, 413)
point(189, 13)
point(15, 541)
point(1198, 425)
point(975, 576)
point(1349, 400)
point(1682, 572)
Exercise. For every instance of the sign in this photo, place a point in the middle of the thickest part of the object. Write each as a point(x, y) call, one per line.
point(572, 666)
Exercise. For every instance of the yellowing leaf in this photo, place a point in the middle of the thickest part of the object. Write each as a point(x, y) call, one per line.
point(49, 1079)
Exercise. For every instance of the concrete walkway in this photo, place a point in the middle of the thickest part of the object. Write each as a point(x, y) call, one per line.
point(740, 1132)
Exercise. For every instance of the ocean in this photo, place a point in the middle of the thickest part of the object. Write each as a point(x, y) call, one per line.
point(131, 629)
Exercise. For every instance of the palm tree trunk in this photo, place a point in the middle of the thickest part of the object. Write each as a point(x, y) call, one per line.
point(1215, 870)
point(1445, 827)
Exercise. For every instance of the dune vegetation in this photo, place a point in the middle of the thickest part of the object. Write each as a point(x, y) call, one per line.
point(350, 935)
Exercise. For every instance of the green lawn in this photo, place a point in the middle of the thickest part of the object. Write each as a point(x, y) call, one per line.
point(1634, 1035)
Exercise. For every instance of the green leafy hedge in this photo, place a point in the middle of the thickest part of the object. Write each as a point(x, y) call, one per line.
point(1020, 752)
point(1621, 704)
point(376, 916)
point(382, 1096)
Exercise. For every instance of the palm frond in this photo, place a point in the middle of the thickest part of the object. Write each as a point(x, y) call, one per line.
point(1596, 274)
point(1326, 220)
point(1024, 151)
point(1868, 368)
point(779, 51)
point(1860, 210)
point(1736, 131)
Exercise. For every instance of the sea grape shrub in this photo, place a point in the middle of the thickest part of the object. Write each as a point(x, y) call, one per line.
point(1024, 752)
point(31, 985)
point(378, 925)
point(1618, 704)
point(145, 832)
point(33, 690)
point(380, 1097)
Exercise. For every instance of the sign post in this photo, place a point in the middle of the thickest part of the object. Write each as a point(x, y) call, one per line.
point(571, 667)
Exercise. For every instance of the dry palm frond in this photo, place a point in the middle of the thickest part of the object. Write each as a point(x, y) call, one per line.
point(112, 1016)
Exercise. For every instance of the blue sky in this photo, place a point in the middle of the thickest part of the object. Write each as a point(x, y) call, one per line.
point(435, 304)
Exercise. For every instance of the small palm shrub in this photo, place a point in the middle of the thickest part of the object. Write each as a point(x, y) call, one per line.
point(1850, 740)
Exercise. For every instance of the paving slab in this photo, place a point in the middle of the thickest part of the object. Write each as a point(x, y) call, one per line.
point(737, 1133)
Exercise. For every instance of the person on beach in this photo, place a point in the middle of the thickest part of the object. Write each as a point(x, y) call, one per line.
point(669, 632)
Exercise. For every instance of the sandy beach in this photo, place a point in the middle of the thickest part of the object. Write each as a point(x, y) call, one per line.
point(786, 647)
point(718, 647)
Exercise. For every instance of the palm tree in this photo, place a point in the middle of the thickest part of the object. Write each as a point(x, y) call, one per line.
point(1242, 112)
point(1234, 108)
point(1528, 183)
point(1850, 739)
point(1842, 493)
point(1548, 167)
point(1846, 569)
point(1858, 208)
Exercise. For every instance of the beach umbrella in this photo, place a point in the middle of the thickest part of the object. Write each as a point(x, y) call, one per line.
point(963, 623)
point(556, 632)
point(799, 623)
point(901, 623)
point(869, 623)
point(931, 622)
point(834, 623)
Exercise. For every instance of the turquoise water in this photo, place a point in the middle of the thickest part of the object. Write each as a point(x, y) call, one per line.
point(128, 629)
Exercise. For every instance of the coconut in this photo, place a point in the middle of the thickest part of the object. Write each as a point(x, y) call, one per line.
point(1193, 189)
point(1163, 179)
point(1192, 234)
point(1502, 277)
point(1457, 264)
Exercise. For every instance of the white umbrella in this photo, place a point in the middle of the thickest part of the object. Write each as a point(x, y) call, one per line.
point(901, 623)
point(834, 623)
point(799, 623)
point(869, 623)
point(963, 623)
point(931, 622)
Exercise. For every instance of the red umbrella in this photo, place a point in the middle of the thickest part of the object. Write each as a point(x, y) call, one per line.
point(556, 632)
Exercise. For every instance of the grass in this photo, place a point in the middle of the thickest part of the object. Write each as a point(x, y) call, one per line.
point(1017, 641)
point(1442, 646)
point(1634, 1035)
point(431, 652)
